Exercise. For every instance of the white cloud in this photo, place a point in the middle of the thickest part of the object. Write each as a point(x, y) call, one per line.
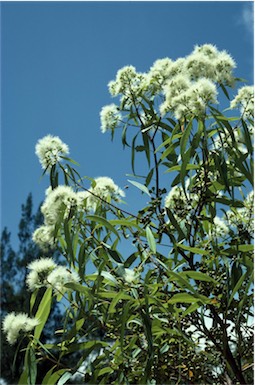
point(247, 17)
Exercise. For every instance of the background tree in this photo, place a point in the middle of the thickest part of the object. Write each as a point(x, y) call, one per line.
point(14, 293)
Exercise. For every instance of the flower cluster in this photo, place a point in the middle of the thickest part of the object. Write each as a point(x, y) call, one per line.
point(128, 82)
point(105, 189)
point(224, 140)
point(110, 117)
point(63, 203)
point(45, 273)
point(49, 151)
point(187, 84)
point(218, 228)
point(206, 61)
point(40, 269)
point(243, 218)
point(14, 324)
point(180, 202)
point(184, 97)
point(43, 236)
point(244, 100)
point(58, 203)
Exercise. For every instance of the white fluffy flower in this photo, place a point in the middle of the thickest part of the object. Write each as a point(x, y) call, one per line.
point(243, 218)
point(40, 269)
point(129, 84)
point(110, 117)
point(13, 324)
point(49, 150)
point(206, 61)
point(106, 189)
point(44, 237)
point(159, 73)
point(224, 140)
point(179, 203)
point(84, 202)
point(218, 228)
point(59, 276)
point(244, 100)
point(59, 201)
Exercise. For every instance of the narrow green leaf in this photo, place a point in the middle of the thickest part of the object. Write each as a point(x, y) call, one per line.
point(115, 301)
point(103, 371)
point(43, 312)
point(31, 366)
point(185, 137)
point(102, 222)
point(236, 288)
point(124, 222)
point(109, 277)
point(188, 298)
point(140, 187)
point(55, 376)
point(197, 275)
point(63, 379)
point(77, 287)
point(175, 224)
point(47, 376)
point(194, 250)
point(151, 240)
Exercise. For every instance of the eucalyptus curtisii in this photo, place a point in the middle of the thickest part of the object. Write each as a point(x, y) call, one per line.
point(178, 309)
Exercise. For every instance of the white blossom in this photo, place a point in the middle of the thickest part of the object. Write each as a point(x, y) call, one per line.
point(60, 201)
point(106, 189)
point(244, 100)
point(129, 84)
point(40, 269)
point(59, 276)
point(43, 236)
point(206, 61)
point(110, 117)
point(218, 228)
point(181, 204)
point(49, 150)
point(13, 324)
point(130, 275)
point(243, 218)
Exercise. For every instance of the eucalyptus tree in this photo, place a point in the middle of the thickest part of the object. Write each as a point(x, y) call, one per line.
point(178, 309)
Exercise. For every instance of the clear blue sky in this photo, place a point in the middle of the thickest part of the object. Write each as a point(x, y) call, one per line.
point(57, 59)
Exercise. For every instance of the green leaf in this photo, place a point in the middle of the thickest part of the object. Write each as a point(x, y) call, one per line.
point(151, 240)
point(103, 371)
point(124, 222)
point(55, 376)
point(236, 288)
point(108, 276)
point(23, 378)
point(179, 166)
point(102, 222)
point(174, 222)
point(31, 366)
point(197, 275)
point(185, 137)
point(43, 312)
point(77, 287)
point(188, 298)
point(118, 297)
point(47, 376)
point(194, 250)
point(140, 186)
point(70, 160)
point(63, 379)
point(115, 255)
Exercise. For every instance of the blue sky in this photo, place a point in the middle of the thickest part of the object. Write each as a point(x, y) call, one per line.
point(57, 59)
